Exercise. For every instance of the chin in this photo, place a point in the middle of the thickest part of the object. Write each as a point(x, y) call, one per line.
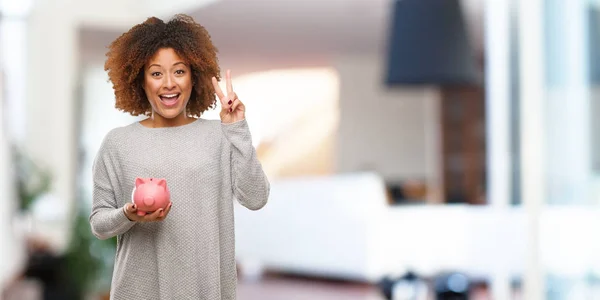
point(170, 113)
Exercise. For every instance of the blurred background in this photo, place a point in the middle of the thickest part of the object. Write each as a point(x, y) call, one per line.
point(417, 149)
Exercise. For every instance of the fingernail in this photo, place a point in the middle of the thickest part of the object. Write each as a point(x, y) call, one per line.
point(229, 102)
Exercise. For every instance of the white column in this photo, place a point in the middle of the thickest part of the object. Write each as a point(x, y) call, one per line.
point(532, 98)
point(568, 109)
point(7, 207)
point(13, 29)
point(12, 128)
point(51, 100)
point(497, 45)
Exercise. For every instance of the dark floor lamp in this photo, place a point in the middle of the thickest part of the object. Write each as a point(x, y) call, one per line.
point(428, 44)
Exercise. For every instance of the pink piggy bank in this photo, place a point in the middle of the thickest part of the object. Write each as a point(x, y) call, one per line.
point(150, 194)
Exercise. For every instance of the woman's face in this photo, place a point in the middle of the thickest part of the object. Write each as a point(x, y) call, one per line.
point(167, 83)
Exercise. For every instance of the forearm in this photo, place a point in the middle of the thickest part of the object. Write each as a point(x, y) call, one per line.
point(106, 220)
point(109, 223)
point(250, 184)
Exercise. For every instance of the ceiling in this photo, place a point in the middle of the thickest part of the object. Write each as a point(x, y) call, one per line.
point(257, 34)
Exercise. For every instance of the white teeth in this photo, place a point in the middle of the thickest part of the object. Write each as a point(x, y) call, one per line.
point(169, 96)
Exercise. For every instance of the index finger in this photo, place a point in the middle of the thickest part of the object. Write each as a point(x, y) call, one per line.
point(228, 83)
point(218, 90)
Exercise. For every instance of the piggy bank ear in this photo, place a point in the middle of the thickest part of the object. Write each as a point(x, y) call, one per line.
point(139, 181)
point(162, 183)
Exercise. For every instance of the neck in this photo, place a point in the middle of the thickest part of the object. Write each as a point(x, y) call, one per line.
point(157, 120)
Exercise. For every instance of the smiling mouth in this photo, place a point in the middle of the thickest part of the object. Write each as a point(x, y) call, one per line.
point(169, 99)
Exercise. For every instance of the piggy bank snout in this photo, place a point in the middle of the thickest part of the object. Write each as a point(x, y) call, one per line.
point(149, 200)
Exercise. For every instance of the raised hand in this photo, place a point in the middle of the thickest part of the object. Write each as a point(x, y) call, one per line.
point(130, 211)
point(232, 109)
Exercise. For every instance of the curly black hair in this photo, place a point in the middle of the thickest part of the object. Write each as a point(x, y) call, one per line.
point(128, 54)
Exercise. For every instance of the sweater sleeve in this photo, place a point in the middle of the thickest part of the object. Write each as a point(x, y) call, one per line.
point(107, 220)
point(251, 186)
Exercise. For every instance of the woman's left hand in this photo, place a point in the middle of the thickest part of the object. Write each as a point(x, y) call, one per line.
point(232, 109)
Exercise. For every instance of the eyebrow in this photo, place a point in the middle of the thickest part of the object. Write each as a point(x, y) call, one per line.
point(177, 63)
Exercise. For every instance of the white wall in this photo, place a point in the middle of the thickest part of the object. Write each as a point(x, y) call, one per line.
point(99, 116)
point(51, 70)
point(389, 130)
point(9, 249)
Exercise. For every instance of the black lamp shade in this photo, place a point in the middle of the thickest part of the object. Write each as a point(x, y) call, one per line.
point(429, 44)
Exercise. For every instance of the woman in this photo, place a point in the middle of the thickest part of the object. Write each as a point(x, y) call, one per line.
point(169, 72)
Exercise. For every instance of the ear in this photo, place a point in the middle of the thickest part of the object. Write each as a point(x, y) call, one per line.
point(139, 181)
point(163, 183)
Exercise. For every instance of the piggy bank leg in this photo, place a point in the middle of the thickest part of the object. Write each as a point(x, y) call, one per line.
point(141, 213)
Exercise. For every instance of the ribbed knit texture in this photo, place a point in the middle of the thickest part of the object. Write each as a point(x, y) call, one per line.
point(190, 254)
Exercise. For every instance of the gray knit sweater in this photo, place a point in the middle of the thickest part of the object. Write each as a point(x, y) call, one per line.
point(191, 254)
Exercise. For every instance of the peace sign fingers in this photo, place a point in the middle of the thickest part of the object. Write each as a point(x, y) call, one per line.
point(232, 109)
point(229, 85)
point(218, 91)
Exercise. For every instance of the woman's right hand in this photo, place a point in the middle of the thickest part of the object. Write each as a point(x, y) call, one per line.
point(130, 211)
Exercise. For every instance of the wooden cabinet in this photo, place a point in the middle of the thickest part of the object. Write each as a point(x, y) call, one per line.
point(463, 145)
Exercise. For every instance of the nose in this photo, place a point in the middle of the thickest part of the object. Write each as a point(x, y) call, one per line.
point(169, 82)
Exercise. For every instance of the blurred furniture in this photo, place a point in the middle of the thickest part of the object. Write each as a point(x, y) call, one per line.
point(343, 227)
point(463, 142)
point(44, 276)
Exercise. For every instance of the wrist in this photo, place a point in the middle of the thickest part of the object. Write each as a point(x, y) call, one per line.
point(231, 122)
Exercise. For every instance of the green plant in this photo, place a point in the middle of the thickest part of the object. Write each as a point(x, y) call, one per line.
point(89, 259)
point(32, 180)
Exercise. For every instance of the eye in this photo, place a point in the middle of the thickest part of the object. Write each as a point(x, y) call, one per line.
point(154, 74)
point(180, 72)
